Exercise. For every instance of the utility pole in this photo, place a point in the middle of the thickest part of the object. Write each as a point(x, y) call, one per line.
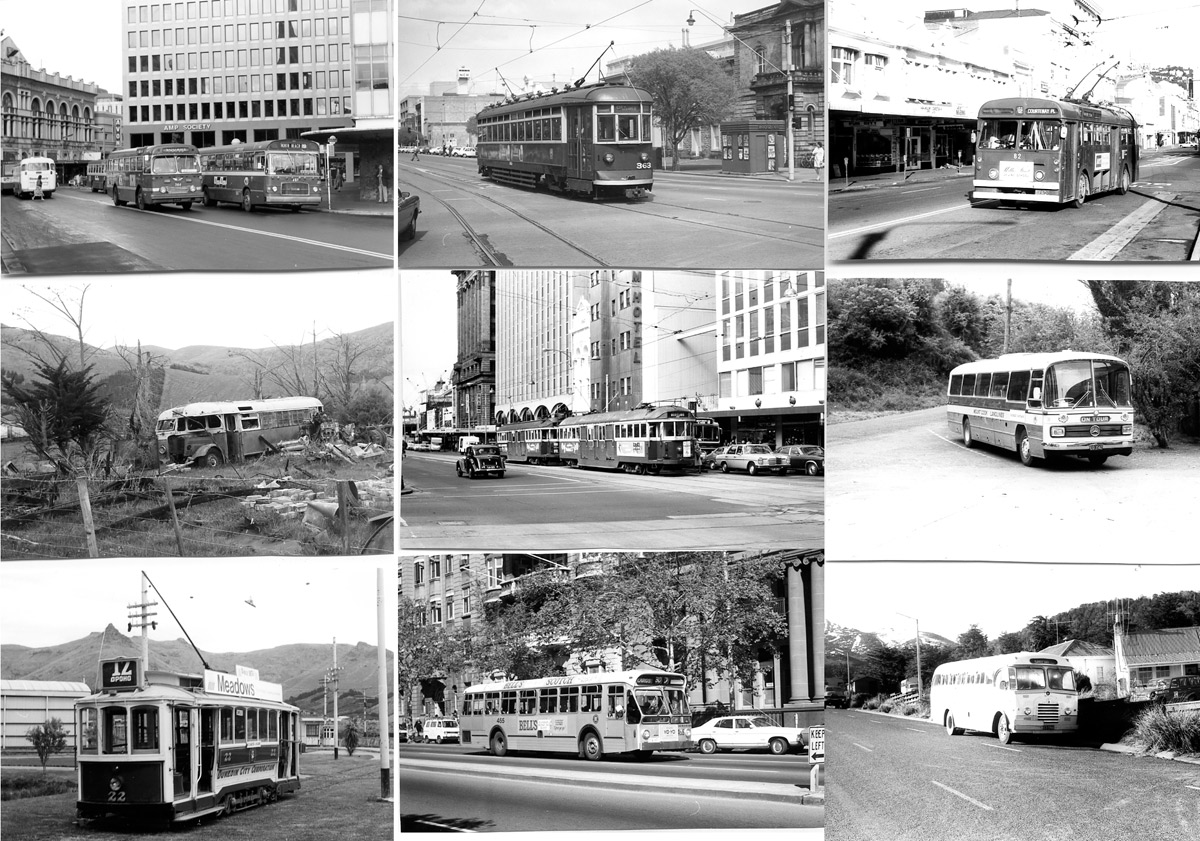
point(385, 785)
point(920, 683)
point(332, 676)
point(790, 112)
point(1007, 315)
point(139, 617)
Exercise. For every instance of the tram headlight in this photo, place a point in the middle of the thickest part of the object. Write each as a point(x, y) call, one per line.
point(645, 156)
point(608, 158)
point(1039, 176)
point(1058, 432)
point(993, 173)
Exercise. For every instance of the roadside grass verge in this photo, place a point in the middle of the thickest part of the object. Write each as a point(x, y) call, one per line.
point(19, 786)
point(1158, 730)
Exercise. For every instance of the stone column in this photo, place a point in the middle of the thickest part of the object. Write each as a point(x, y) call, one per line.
point(797, 636)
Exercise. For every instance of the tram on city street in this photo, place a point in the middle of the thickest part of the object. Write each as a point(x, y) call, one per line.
point(588, 715)
point(1051, 151)
point(161, 746)
point(645, 439)
point(151, 175)
point(590, 140)
point(270, 173)
point(28, 173)
point(533, 442)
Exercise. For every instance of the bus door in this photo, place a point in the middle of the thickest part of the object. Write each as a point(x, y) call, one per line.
point(208, 750)
point(614, 719)
point(1070, 163)
point(182, 747)
point(234, 449)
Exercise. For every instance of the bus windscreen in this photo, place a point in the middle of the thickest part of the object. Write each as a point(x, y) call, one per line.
point(172, 164)
point(292, 163)
point(1037, 135)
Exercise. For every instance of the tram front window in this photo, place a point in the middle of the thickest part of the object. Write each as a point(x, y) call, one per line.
point(116, 739)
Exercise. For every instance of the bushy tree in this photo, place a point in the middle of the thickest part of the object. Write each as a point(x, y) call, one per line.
point(1006, 642)
point(48, 739)
point(971, 643)
point(351, 735)
point(63, 414)
point(370, 407)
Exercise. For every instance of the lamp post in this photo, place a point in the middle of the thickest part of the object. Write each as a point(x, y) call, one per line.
point(920, 683)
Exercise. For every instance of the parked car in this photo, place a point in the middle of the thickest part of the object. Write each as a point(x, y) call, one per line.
point(1174, 690)
point(747, 732)
point(409, 208)
point(402, 728)
point(752, 458)
point(806, 457)
point(837, 698)
point(481, 460)
point(440, 730)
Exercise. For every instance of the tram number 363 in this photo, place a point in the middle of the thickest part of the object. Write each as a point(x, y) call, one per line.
point(645, 165)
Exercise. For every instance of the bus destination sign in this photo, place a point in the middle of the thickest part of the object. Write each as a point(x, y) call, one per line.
point(121, 675)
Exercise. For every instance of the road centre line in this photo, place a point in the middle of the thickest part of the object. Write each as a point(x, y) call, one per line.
point(958, 444)
point(445, 827)
point(902, 220)
point(864, 747)
point(1002, 747)
point(963, 796)
point(920, 190)
point(917, 730)
point(289, 237)
point(1109, 244)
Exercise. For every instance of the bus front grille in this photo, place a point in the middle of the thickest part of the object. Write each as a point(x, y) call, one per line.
point(1106, 429)
point(1047, 712)
point(294, 188)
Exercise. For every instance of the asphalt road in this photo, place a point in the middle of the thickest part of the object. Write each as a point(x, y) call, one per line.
point(905, 488)
point(924, 219)
point(460, 787)
point(81, 231)
point(903, 779)
point(690, 221)
point(564, 508)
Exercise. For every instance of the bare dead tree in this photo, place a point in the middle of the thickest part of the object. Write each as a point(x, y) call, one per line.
point(52, 350)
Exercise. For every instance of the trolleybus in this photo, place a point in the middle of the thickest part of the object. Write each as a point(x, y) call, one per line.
point(589, 715)
point(270, 173)
point(151, 175)
point(213, 433)
point(1023, 694)
point(1044, 150)
point(1044, 405)
point(176, 747)
point(592, 140)
point(28, 173)
point(97, 177)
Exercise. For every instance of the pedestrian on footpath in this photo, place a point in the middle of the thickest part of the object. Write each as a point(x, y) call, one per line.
point(818, 160)
point(379, 176)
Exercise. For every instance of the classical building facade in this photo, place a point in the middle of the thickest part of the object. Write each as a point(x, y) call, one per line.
point(48, 115)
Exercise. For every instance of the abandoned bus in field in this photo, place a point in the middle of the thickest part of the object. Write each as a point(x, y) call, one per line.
point(213, 433)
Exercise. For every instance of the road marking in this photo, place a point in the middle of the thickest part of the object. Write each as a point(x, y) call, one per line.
point(864, 747)
point(963, 796)
point(921, 190)
point(1002, 747)
point(899, 221)
point(445, 826)
point(958, 444)
point(917, 730)
point(1109, 244)
point(1197, 788)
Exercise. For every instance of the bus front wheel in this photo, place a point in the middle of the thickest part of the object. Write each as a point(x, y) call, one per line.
point(951, 730)
point(592, 749)
point(499, 744)
point(1003, 731)
point(1081, 192)
point(246, 205)
point(141, 200)
point(213, 458)
point(1025, 449)
point(968, 439)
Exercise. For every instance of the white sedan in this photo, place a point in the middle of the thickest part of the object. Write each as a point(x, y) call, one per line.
point(746, 732)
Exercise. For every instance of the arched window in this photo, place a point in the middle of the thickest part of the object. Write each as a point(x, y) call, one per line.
point(10, 116)
point(35, 114)
point(66, 126)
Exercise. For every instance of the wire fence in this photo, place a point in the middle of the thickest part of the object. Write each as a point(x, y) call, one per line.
point(53, 517)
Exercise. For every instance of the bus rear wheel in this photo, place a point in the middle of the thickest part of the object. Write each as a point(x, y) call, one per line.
point(951, 730)
point(1125, 183)
point(499, 744)
point(591, 748)
point(117, 198)
point(1081, 192)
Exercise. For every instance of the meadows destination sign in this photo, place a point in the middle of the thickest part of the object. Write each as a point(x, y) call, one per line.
point(244, 684)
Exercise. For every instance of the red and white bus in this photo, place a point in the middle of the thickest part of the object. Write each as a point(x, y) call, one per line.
point(150, 175)
point(270, 173)
point(1044, 150)
point(589, 715)
point(1022, 694)
point(1043, 405)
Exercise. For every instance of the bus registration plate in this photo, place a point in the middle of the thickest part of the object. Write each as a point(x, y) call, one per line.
point(669, 732)
point(1016, 170)
point(1095, 446)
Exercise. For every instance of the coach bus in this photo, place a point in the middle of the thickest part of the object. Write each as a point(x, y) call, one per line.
point(176, 747)
point(213, 433)
point(1022, 694)
point(1044, 405)
point(589, 715)
point(28, 173)
point(270, 173)
point(1044, 150)
point(152, 175)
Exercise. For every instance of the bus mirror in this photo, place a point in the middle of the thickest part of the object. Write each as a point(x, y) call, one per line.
point(1062, 132)
point(974, 137)
point(1037, 394)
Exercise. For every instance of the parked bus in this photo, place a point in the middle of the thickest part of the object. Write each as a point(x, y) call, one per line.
point(8, 177)
point(271, 173)
point(1044, 150)
point(213, 433)
point(176, 747)
point(589, 715)
point(1043, 405)
point(150, 175)
point(28, 172)
point(96, 179)
point(1023, 694)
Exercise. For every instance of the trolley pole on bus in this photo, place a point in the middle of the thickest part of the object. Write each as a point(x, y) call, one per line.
point(329, 144)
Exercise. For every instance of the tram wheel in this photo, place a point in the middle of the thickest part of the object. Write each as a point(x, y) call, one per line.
point(1085, 187)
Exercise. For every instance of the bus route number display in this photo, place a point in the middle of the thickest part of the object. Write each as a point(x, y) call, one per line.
point(816, 744)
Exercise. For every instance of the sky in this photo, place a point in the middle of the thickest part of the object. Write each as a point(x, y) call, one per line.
point(546, 42)
point(296, 600)
point(947, 598)
point(428, 331)
point(78, 38)
point(178, 310)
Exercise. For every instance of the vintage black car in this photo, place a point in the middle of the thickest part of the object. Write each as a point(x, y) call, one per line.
point(409, 208)
point(481, 460)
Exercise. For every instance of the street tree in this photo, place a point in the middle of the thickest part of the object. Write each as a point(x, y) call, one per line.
point(1006, 642)
point(690, 90)
point(1039, 633)
point(48, 739)
point(351, 735)
point(971, 643)
point(63, 414)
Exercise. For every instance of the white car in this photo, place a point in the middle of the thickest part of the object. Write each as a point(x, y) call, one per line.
point(439, 730)
point(744, 732)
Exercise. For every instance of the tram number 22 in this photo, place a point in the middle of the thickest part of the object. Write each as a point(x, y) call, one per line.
point(116, 797)
point(644, 165)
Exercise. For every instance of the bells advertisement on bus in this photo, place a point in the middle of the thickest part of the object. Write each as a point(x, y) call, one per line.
point(244, 684)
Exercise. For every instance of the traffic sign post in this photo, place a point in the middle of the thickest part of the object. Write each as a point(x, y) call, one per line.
point(329, 144)
point(816, 756)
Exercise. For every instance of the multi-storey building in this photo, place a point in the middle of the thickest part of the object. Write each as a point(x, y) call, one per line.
point(771, 359)
point(212, 72)
point(441, 118)
point(452, 591)
point(474, 376)
point(49, 115)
